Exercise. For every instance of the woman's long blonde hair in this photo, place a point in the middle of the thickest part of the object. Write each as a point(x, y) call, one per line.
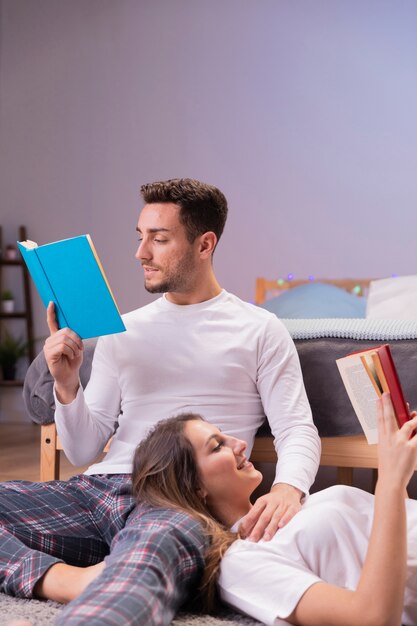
point(165, 474)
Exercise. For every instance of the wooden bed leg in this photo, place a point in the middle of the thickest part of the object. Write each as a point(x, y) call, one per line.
point(49, 466)
point(374, 479)
point(345, 476)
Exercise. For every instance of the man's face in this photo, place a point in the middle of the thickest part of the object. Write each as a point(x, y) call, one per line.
point(167, 257)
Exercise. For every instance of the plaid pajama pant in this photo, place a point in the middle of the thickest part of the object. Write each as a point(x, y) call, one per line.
point(154, 557)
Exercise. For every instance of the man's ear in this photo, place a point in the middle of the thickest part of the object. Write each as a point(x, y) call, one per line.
point(207, 244)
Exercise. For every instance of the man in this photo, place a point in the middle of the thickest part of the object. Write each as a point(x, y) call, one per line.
point(195, 348)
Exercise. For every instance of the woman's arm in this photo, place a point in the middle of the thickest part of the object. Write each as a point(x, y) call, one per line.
point(378, 599)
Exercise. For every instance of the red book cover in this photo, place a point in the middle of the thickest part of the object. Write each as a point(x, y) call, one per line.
point(397, 397)
point(366, 374)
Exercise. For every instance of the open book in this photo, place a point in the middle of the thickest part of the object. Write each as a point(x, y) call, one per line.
point(69, 273)
point(366, 376)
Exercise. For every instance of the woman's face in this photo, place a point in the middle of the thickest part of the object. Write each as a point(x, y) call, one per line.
point(227, 476)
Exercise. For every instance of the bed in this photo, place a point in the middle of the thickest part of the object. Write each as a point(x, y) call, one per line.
point(320, 341)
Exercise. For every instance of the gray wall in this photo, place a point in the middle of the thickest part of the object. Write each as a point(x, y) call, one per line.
point(302, 112)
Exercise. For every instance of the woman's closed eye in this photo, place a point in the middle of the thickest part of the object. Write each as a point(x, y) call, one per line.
point(219, 446)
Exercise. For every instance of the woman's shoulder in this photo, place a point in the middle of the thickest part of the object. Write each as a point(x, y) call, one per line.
point(341, 495)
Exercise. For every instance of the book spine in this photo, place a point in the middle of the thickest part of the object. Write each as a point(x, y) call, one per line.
point(41, 281)
point(397, 397)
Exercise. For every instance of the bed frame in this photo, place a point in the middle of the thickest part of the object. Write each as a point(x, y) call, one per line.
point(344, 453)
point(265, 288)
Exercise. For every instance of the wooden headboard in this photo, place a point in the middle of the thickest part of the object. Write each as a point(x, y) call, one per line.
point(266, 289)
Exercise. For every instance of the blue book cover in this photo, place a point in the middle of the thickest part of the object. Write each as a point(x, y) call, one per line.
point(69, 273)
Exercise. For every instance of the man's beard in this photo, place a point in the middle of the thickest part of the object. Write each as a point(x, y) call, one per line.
point(178, 280)
point(164, 287)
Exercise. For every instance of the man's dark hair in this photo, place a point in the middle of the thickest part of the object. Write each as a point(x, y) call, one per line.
point(202, 207)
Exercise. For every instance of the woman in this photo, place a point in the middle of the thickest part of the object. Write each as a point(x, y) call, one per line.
point(343, 560)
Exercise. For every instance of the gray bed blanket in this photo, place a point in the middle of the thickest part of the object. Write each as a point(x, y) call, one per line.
point(319, 343)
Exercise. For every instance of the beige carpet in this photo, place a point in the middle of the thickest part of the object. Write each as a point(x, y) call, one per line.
point(44, 614)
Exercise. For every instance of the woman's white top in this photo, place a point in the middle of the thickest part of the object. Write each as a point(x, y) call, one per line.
point(325, 542)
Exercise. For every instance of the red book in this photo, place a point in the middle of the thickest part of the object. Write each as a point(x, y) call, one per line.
point(366, 375)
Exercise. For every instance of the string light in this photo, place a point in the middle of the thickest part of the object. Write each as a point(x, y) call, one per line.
point(357, 289)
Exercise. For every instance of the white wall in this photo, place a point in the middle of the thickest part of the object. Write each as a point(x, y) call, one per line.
point(303, 113)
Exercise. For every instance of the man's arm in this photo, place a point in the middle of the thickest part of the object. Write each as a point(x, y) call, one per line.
point(281, 388)
point(83, 435)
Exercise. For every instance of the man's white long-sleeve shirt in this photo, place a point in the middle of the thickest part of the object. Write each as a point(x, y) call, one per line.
point(227, 360)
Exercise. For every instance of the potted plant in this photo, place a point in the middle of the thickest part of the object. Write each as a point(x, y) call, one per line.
point(7, 301)
point(11, 350)
point(11, 252)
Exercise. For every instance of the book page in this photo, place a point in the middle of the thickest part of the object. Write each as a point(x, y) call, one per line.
point(90, 241)
point(380, 372)
point(28, 244)
point(362, 394)
point(369, 364)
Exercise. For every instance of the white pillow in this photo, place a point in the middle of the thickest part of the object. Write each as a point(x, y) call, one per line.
point(393, 298)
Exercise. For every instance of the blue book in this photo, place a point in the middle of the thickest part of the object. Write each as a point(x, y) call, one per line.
point(69, 273)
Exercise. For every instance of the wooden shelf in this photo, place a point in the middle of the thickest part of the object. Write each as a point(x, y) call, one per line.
point(11, 316)
point(26, 314)
point(16, 262)
point(11, 383)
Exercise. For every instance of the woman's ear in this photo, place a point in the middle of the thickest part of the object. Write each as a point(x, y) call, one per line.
point(202, 494)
